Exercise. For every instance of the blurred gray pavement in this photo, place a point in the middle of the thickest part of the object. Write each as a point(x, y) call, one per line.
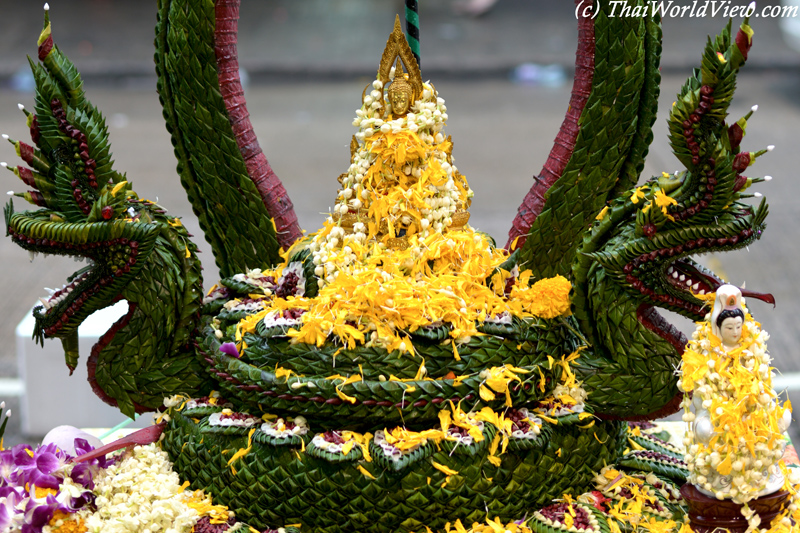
point(308, 61)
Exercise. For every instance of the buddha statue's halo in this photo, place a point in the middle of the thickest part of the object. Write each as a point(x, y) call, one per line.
point(397, 50)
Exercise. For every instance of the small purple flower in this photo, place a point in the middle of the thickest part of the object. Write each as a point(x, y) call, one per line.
point(38, 513)
point(83, 474)
point(8, 468)
point(83, 447)
point(47, 461)
point(9, 499)
point(229, 348)
point(22, 455)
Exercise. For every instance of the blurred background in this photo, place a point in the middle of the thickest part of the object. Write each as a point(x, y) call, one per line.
point(505, 69)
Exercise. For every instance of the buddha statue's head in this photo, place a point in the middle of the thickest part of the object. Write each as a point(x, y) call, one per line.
point(400, 92)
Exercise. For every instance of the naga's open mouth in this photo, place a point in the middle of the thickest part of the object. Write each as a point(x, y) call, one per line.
point(692, 279)
point(684, 276)
point(669, 278)
point(110, 260)
point(56, 312)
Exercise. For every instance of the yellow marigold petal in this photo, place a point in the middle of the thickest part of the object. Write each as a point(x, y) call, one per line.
point(486, 394)
point(365, 472)
point(347, 446)
point(725, 466)
point(444, 469)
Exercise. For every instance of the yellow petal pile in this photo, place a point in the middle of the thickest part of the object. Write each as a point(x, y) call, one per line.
point(201, 502)
point(491, 526)
point(497, 380)
point(393, 291)
point(461, 419)
point(404, 439)
point(397, 255)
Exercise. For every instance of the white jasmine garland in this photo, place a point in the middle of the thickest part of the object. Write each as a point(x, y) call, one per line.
point(141, 493)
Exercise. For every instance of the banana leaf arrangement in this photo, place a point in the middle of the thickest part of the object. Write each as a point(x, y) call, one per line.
point(396, 371)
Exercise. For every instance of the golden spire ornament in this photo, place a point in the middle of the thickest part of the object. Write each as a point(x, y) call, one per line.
point(408, 86)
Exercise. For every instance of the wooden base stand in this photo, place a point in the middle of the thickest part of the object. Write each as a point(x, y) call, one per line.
point(707, 514)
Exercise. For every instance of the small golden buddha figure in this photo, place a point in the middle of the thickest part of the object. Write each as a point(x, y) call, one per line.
point(400, 92)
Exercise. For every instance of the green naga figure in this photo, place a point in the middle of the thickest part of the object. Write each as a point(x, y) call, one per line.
point(395, 370)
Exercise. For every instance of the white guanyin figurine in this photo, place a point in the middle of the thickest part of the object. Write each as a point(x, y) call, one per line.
point(735, 439)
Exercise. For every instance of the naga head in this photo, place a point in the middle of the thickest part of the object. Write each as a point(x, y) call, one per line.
point(642, 246)
point(88, 210)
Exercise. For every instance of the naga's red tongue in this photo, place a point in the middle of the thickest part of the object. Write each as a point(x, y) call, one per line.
point(763, 296)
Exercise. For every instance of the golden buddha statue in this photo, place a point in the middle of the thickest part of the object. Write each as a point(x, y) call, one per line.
point(400, 92)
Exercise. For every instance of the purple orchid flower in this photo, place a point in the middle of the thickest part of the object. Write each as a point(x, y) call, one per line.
point(47, 462)
point(82, 447)
point(8, 468)
point(39, 513)
point(22, 455)
point(84, 472)
point(9, 499)
point(229, 348)
point(32, 484)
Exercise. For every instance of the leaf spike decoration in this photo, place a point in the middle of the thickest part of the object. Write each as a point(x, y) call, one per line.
point(737, 130)
point(71, 160)
point(34, 197)
point(700, 138)
point(396, 54)
point(58, 65)
point(31, 178)
point(29, 154)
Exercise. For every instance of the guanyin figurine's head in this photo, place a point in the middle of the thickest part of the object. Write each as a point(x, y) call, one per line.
point(727, 316)
point(729, 322)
